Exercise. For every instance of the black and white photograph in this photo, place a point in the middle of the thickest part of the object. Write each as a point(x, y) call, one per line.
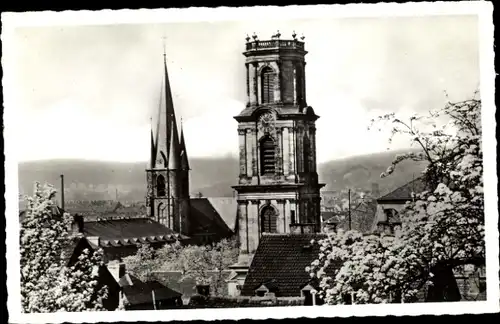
point(177, 164)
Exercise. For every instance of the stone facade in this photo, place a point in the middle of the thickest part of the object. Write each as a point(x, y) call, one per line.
point(278, 182)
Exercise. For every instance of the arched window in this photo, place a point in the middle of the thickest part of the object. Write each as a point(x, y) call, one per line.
point(267, 78)
point(161, 213)
point(267, 156)
point(269, 217)
point(160, 186)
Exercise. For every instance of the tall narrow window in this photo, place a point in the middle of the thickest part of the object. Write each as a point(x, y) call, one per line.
point(267, 78)
point(160, 186)
point(268, 218)
point(267, 156)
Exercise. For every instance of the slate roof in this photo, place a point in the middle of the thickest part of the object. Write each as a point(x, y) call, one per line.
point(404, 193)
point(93, 210)
point(138, 292)
point(72, 249)
point(187, 287)
point(227, 207)
point(282, 258)
point(129, 232)
point(206, 219)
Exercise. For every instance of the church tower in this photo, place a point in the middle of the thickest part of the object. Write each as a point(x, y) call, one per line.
point(278, 189)
point(167, 198)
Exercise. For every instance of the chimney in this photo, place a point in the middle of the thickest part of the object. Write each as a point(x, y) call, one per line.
point(375, 190)
point(303, 228)
point(117, 269)
point(62, 192)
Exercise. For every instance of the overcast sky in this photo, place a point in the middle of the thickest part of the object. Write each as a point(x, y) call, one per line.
point(89, 91)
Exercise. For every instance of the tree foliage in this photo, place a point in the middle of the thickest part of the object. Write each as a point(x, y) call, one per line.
point(442, 227)
point(204, 264)
point(48, 282)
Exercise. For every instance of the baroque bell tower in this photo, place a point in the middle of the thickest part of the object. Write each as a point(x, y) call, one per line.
point(278, 189)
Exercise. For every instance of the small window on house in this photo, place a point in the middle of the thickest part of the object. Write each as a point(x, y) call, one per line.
point(292, 216)
point(260, 293)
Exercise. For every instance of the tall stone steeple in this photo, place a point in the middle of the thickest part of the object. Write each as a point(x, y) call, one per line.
point(164, 181)
point(278, 188)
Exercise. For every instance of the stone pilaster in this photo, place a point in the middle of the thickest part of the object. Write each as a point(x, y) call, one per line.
point(279, 155)
point(243, 152)
point(312, 132)
point(253, 83)
point(277, 83)
point(249, 152)
point(286, 151)
point(287, 218)
point(304, 83)
point(280, 223)
point(255, 153)
point(253, 226)
point(248, 84)
point(257, 85)
point(243, 226)
point(292, 166)
point(294, 83)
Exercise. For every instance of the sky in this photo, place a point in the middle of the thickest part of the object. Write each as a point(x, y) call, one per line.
point(89, 91)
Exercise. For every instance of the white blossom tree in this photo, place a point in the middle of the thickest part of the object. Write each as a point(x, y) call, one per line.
point(48, 282)
point(442, 227)
point(204, 264)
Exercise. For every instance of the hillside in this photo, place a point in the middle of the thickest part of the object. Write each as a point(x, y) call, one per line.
point(213, 177)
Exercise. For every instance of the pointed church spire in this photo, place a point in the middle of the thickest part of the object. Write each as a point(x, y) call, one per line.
point(153, 148)
point(184, 157)
point(167, 124)
point(173, 153)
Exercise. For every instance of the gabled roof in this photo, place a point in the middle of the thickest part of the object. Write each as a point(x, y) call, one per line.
point(187, 286)
point(206, 219)
point(138, 292)
point(129, 232)
point(282, 259)
point(404, 193)
point(72, 249)
point(227, 207)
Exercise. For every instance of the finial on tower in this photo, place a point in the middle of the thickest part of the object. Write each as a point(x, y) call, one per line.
point(294, 35)
point(247, 38)
point(302, 37)
point(278, 34)
point(254, 36)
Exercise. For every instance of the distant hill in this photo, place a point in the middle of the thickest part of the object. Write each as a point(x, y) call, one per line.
point(213, 177)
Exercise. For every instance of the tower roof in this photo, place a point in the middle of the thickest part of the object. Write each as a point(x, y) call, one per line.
point(173, 153)
point(166, 126)
point(183, 152)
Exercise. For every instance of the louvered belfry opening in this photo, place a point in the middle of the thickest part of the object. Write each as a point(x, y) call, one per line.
point(160, 186)
point(267, 156)
point(269, 218)
point(267, 76)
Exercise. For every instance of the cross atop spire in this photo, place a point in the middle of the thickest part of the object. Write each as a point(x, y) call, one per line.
point(164, 42)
